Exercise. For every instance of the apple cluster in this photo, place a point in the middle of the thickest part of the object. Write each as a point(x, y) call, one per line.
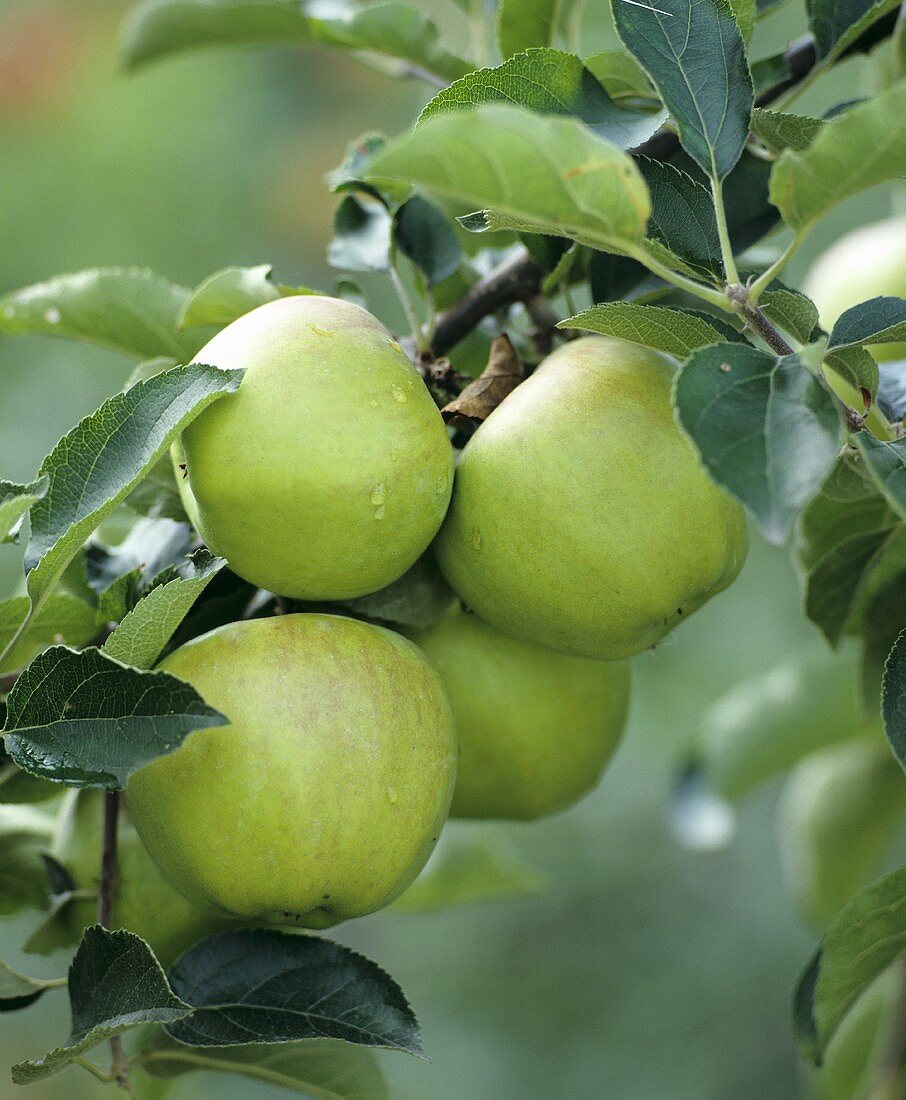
point(578, 530)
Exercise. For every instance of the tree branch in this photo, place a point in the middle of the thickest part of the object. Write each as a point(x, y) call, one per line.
point(519, 278)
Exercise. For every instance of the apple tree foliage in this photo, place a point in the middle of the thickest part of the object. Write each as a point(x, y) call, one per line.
point(542, 170)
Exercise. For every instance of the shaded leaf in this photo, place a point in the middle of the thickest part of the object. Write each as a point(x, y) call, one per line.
point(361, 236)
point(791, 310)
point(115, 985)
point(266, 986)
point(428, 239)
point(62, 618)
point(694, 53)
point(893, 699)
point(767, 430)
point(622, 76)
point(877, 321)
point(522, 24)
point(886, 463)
point(25, 833)
point(682, 216)
point(18, 991)
point(83, 719)
point(836, 24)
point(856, 366)
point(15, 501)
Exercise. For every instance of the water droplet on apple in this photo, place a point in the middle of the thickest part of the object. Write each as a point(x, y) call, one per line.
point(399, 395)
point(53, 316)
point(476, 538)
point(379, 512)
point(440, 484)
point(391, 795)
point(378, 494)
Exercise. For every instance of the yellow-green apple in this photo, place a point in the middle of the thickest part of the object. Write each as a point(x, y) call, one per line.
point(582, 518)
point(323, 797)
point(328, 473)
point(536, 727)
point(144, 901)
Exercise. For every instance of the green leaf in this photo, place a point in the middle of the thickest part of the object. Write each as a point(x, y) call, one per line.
point(866, 937)
point(149, 547)
point(682, 216)
point(858, 149)
point(550, 82)
point(361, 236)
point(540, 174)
point(778, 130)
point(522, 24)
point(115, 985)
point(877, 321)
point(263, 986)
point(143, 634)
point(791, 311)
point(416, 601)
point(230, 293)
point(15, 501)
point(880, 626)
point(660, 327)
point(745, 13)
point(467, 870)
point(427, 238)
point(324, 1070)
point(18, 991)
point(96, 465)
point(886, 464)
point(622, 76)
point(62, 618)
point(157, 495)
point(396, 31)
point(766, 428)
point(836, 24)
point(84, 719)
point(25, 834)
point(131, 310)
point(694, 53)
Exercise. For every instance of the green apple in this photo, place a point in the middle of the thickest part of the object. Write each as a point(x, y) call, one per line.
point(582, 518)
point(330, 470)
point(536, 727)
point(867, 263)
point(144, 902)
point(840, 813)
point(324, 796)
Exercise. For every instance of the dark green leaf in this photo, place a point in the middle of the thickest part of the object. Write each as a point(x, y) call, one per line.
point(143, 634)
point(893, 699)
point(416, 601)
point(836, 24)
point(778, 130)
point(886, 463)
point(612, 277)
point(326, 1070)
point(550, 82)
point(399, 32)
point(83, 719)
point(361, 236)
point(266, 986)
point(115, 985)
point(15, 501)
point(18, 991)
point(858, 149)
point(131, 310)
point(582, 187)
point(95, 466)
point(694, 53)
point(877, 321)
point(682, 216)
point(25, 833)
point(867, 936)
point(424, 235)
point(230, 293)
point(669, 330)
point(881, 623)
point(767, 430)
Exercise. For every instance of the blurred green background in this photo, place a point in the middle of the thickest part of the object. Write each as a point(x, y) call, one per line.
point(646, 971)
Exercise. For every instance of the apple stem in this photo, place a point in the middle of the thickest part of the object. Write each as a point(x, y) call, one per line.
point(118, 1072)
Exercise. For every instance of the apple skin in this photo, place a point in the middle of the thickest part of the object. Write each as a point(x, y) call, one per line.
point(328, 473)
point(536, 728)
point(325, 796)
point(839, 814)
point(581, 517)
point(144, 902)
point(866, 263)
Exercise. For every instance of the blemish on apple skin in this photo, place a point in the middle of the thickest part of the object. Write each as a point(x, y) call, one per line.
point(725, 367)
point(185, 470)
point(318, 331)
point(396, 346)
point(399, 395)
